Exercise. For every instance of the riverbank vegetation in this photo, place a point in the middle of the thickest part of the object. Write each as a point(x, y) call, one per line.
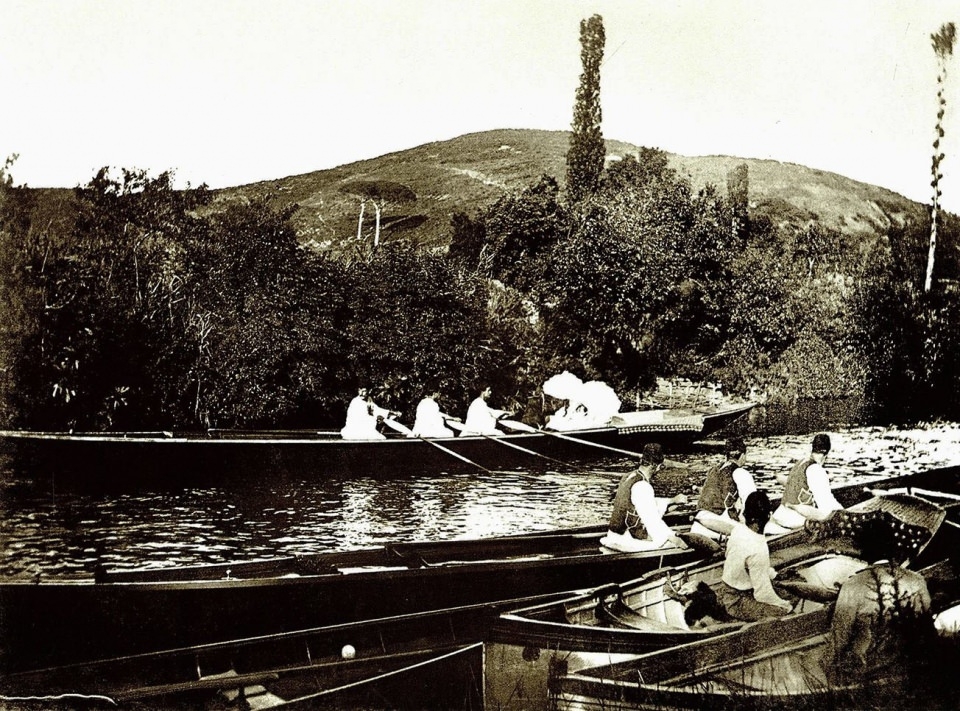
point(129, 304)
point(132, 305)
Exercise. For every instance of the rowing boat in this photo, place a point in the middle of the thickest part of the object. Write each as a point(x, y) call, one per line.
point(654, 611)
point(422, 660)
point(61, 619)
point(134, 457)
point(777, 664)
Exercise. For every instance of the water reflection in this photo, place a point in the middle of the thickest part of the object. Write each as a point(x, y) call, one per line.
point(50, 531)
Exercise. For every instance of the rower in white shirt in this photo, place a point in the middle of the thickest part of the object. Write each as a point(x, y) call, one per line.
point(481, 418)
point(636, 522)
point(806, 494)
point(363, 416)
point(430, 421)
point(724, 492)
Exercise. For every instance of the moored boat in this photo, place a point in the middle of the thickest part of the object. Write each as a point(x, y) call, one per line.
point(165, 457)
point(659, 610)
point(60, 620)
point(422, 660)
point(777, 664)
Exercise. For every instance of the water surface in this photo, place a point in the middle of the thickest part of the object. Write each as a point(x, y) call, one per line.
point(49, 531)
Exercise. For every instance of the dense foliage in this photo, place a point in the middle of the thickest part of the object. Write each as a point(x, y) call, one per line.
point(142, 306)
point(156, 309)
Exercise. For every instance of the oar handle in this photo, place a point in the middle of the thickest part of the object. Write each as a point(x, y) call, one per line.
point(397, 426)
point(519, 426)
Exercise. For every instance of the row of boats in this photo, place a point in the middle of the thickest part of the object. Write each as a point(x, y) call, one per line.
point(460, 624)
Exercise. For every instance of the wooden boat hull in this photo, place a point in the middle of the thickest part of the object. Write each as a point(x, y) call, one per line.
point(423, 660)
point(772, 664)
point(169, 458)
point(60, 621)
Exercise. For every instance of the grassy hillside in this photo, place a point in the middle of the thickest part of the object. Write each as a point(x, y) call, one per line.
point(472, 171)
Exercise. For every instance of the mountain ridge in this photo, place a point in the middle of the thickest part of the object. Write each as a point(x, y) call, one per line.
point(470, 172)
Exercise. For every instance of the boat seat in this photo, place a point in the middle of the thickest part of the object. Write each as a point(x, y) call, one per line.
point(620, 615)
point(243, 690)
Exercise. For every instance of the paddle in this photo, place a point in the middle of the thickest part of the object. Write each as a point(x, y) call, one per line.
point(457, 425)
point(521, 427)
point(404, 430)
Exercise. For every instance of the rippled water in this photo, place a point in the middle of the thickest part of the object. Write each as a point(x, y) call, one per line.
point(53, 532)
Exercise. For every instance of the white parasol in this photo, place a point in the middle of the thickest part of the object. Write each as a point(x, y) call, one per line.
point(565, 386)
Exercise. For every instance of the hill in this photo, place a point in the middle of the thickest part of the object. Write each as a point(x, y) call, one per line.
point(470, 172)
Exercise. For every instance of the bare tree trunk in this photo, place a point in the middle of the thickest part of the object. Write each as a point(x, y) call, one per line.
point(360, 221)
point(928, 282)
point(376, 234)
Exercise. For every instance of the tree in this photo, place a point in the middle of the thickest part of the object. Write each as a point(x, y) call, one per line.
point(943, 42)
point(416, 323)
point(635, 290)
point(270, 315)
point(738, 191)
point(521, 230)
point(102, 342)
point(467, 236)
point(12, 293)
point(587, 151)
point(380, 193)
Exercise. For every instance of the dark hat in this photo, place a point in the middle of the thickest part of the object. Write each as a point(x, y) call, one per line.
point(735, 445)
point(652, 454)
point(821, 443)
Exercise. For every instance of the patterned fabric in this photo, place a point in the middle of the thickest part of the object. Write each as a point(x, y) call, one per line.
point(797, 491)
point(842, 529)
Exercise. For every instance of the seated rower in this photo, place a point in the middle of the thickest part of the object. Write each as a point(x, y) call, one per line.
point(636, 522)
point(363, 416)
point(481, 418)
point(724, 491)
point(806, 493)
point(430, 421)
point(746, 592)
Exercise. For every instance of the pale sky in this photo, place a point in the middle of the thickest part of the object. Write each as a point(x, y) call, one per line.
point(229, 92)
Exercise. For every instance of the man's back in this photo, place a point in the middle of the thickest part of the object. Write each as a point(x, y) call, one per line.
point(876, 610)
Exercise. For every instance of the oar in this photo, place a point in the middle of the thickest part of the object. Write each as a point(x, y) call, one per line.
point(404, 430)
point(521, 427)
point(455, 424)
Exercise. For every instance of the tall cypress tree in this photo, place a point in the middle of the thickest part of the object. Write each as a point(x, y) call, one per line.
point(943, 43)
point(587, 152)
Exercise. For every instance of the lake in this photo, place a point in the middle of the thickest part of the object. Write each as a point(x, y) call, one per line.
point(49, 531)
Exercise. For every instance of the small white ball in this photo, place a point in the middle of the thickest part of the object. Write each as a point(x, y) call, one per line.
point(348, 652)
